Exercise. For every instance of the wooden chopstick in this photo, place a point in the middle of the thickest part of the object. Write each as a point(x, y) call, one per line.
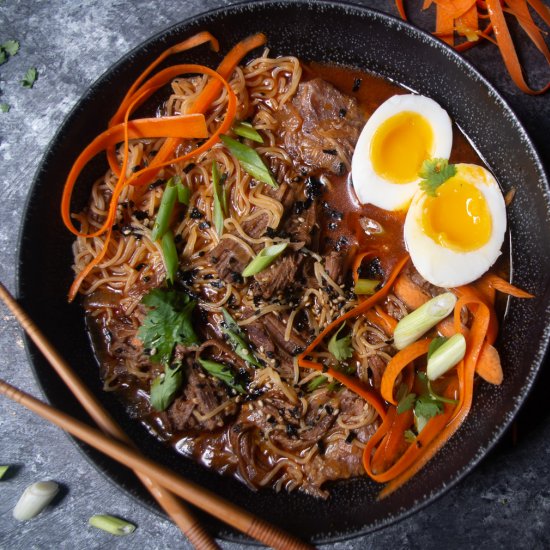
point(220, 508)
point(177, 511)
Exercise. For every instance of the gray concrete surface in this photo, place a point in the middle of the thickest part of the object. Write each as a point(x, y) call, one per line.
point(504, 503)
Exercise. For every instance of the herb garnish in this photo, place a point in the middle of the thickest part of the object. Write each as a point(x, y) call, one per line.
point(434, 172)
point(237, 339)
point(223, 373)
point(30, 78)
point(167, 323)
point(340, 347)
point(165, 387)
point(219, 202)
point(4, 107)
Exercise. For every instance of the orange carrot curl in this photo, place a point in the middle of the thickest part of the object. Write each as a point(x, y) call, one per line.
point(121, 129)
point(461, 18)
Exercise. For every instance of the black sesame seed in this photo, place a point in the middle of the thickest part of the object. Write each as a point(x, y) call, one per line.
point(343, 112)
point(156, 184)
point(196, 214)
point(189, 167)
point(140, 215)
point(204, 225)
point(330, 151)
point(357, 84)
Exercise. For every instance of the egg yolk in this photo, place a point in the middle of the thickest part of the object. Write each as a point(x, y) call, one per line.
point(400, 145)
point(458, 218)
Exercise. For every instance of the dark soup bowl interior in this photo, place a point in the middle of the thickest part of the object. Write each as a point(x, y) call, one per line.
point(329, 33)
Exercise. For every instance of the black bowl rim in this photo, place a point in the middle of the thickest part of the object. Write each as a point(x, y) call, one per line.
point(388, 20)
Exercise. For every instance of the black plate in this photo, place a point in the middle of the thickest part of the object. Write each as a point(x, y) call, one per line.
point(357, 37)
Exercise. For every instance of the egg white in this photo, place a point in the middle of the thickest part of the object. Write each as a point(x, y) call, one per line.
point(448, 268)
point(371, 187)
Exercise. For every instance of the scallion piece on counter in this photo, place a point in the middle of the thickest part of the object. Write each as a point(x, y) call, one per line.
point(110, 524)
point(249, 160)
point(184, 193)
point(246, 130)
point(223, 373)
point(366, 286)
point(3, 470)
point(170, 255)
point(166, 207)
point(34, 499)
point(219, 213)
point(264, 259)
point(237, 339)
point(421, 320)
point(446, 356)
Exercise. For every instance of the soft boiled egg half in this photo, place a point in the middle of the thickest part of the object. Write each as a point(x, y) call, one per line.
point(456, 236)
point(399, 136)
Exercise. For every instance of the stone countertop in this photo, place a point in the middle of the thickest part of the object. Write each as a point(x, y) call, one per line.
point(503, 503)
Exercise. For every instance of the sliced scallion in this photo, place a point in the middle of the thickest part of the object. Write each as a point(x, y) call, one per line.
point(264, 259)
point(223, 373)
point(170, 255)
point(317, 382)
point(34, 499)
point(366, 286)
point(237, 339)
point(166, 207)
point(219, 213)
point(110, 524)
point(415, 324)
point(184, 193)
point(250, 161)
point(446, 356)
point(3, 470)
point(246, 130)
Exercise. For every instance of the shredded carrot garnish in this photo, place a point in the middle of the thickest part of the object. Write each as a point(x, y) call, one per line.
point(398, 363)
point(174, 129)
point(461, 18)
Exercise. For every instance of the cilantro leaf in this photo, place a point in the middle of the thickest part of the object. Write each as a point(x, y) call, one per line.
point(340, 347)
point(165, 387)
point(406, 403)
point(30, 78)
point(167, 323)
point(435, 344)
point(11, 46)
point(223, 373)
point(426, 407)
point(4, 107)
point(434, 172)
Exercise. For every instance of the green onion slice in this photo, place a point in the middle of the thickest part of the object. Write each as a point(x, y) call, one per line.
point(170, 255)
point(264, 259)
point(366, 286)
point(184, 193)
point(237, 339)
point(219, 211)
point(165, 210)
point(34, 499)
point(115, 526)
point(250, 161)
point(446, 356)
point(3, 470)
point(223, 373)
point(418, 322)
point(246, 130)
point(317, 382)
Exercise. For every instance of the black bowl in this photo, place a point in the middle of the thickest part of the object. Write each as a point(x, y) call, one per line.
point(330, 33)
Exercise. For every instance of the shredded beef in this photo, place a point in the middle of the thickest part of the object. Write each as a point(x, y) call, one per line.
point(229, 258)
point(280, 275)
point(203, 394)
point(335, 265)
point(314, 132)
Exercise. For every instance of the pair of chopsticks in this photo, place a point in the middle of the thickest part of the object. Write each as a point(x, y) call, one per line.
point(117, 445)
